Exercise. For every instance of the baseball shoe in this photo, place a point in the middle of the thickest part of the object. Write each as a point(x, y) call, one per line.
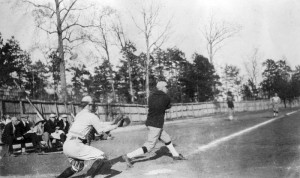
point(127, 160)
point(179, 157)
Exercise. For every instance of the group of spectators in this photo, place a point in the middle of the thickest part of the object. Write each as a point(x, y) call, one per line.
point(45, 135)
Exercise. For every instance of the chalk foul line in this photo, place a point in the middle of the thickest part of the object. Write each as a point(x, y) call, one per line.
point(229, 137)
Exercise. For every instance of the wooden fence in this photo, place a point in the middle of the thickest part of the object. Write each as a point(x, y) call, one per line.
point(134, 111)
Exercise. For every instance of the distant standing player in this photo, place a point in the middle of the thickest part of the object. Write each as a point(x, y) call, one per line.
point(158, 103)
point(275, 101)
point(230, 107)
point(75, 148)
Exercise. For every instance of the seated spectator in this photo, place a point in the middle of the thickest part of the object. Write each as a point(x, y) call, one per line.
point(9, 136)
point(41, 135)
point(49, 128)
point(64, 126)
point(24, 128)
point(58, 137)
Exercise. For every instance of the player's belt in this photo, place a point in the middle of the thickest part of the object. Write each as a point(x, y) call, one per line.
point(77, 138)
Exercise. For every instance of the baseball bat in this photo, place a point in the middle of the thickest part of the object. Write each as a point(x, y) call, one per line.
point(27, 98)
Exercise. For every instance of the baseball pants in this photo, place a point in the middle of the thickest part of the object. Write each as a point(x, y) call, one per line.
point(155, 134)
point(78, 150)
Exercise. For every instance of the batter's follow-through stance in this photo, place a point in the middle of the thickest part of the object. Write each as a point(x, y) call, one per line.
point(75, 148)
point(158, 103)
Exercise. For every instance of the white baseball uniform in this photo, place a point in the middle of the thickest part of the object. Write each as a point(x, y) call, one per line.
point(74, 147)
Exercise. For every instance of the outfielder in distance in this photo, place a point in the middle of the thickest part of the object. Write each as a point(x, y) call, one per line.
point(75, 148)
point(158, 103)
point(275, 101)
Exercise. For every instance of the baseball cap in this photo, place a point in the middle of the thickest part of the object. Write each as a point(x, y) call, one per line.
point(64, 116)
point(24, 116)
point(52, 115)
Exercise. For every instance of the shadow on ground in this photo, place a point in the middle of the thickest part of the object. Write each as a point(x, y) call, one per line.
point(109, 172)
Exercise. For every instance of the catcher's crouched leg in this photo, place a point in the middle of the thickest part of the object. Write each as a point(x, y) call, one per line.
point(96, 167)
point(76, 166)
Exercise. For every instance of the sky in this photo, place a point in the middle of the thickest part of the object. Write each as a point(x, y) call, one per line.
point(271, 26)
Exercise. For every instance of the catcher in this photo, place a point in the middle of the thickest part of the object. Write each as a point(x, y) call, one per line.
point(75, 147)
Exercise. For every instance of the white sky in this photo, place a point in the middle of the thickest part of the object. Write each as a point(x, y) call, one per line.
point(272, 26)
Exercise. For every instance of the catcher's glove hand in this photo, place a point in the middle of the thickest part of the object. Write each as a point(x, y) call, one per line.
point(125, 121)
point(117, 119)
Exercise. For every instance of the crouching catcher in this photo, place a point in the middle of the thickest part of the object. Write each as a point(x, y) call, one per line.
point(75, 147)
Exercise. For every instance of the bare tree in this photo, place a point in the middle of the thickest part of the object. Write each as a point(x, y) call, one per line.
point(252, 66)
point(216, 33)
point(149, 12)
point(61, 18)
point(101, 36)
point(123, 41)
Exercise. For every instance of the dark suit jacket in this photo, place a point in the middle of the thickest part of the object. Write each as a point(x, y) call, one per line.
point(62, 126)
point(49, 126)
point(8, 133)
point(23, 127)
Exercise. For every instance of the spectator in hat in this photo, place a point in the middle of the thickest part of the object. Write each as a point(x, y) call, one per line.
point(9, 136)
point(49, 128)
point(52, 128)
point(64, 126)
point(42, 136)
point(25, 131)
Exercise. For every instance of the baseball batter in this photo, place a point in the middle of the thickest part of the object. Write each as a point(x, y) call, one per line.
point(75, 148)
point(275, 101)
point(158, 103)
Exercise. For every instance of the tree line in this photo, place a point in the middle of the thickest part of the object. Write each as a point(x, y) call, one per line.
point(195, 81)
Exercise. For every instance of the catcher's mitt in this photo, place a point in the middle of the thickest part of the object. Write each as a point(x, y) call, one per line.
point(125, 121)
point(117, 119)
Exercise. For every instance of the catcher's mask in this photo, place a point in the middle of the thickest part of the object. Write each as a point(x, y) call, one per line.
point(94, 107)
point(88, 100)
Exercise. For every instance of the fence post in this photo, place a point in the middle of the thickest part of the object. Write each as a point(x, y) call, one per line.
point(21, 107)
point(56, 109)
point(2, 108)
point(66, 107)
point(73, 109)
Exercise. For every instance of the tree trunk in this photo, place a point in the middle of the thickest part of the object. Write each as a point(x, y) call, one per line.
point(60, 50)
point(147, 69)
point(130, 83)
point(210, 53)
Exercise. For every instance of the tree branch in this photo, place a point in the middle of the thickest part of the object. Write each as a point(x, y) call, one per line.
point(69, 9)
point(39, 5)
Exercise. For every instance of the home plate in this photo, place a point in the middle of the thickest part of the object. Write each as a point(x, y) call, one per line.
point(159, 171)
